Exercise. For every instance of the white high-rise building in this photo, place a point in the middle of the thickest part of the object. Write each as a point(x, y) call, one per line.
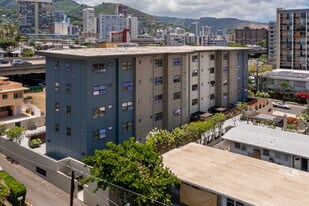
point(132, 25)
point(108, 24)
point(89, 21)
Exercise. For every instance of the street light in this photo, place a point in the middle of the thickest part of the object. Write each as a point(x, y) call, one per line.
point(20, 199)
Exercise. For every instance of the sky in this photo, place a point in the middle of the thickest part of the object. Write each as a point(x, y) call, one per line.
point(252, 10)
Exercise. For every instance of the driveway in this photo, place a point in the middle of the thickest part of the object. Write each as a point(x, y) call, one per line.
point(39, 191)
point(295, 109)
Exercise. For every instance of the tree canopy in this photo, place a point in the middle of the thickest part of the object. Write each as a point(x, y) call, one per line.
point(134, 166)
point(15, 133)
point(4, 191)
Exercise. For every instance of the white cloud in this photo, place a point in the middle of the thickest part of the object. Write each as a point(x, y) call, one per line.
point(255, 10)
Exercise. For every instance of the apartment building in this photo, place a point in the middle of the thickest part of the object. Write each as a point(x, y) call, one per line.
point(89, 21)
point(272, 145)
point(196, 28)
point(106, 24)
point(272, 43)
point(95, 96)
point(121, 10)
point(35, 16)
point(215, 177)
point(250, 36)
point(132, 25)
point(292, 39)
point(173, 39)
point(12, 97)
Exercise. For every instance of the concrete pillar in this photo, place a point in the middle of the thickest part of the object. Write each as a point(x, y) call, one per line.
point(285, 121)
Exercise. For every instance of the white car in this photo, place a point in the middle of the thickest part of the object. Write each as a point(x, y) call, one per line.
point(280, 104)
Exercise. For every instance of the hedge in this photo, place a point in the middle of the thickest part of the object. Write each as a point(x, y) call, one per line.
point(17, 189)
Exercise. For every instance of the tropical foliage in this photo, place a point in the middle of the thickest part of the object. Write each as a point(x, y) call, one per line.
point(15, 133)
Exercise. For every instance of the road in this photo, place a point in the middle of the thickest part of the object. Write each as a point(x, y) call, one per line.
point(39, 191)
point(32, 61)
point(295, 109)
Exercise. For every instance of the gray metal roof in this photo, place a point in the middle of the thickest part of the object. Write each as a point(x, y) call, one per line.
point(287, 74)
point(272, 139)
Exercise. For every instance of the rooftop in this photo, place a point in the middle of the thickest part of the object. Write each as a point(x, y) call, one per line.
point(247, 179)
point(287, 74)
point(126, 51)
point(272, 139)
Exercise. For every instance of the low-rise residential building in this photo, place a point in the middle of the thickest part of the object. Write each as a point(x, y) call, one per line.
point(215, 177)
point(173, 39)
point(95, 96)
point(298, 79)
point(12, 97)
point(273, 145)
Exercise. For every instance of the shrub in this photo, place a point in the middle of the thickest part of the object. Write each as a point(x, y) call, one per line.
point(35, 143)
point(17, 189)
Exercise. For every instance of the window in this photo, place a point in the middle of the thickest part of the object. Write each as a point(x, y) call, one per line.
point(177, 61)
point(98, 68)
point(299, 84)
point(194, 58)
point(127, 106)
point(68, 88)
point(98, 112)
point(225, 95)
point(176, 112)
point(4, 96)
point(98, 90)
point(212, 57)
point(159, 98)
point(177, 95)
point(194, 73)
point(225, 56)
point(57, 127)
point(194, 102)
point(265, 152)
point(68, 67)
point(56, 86)
point(99, 134)
point(225, 69)
point(18, 95)
point(229, 202)
point(68, 109)
point(127, 65)
point(158, 116)
point(57, 107)
point(158, 62)
point(127, 126)
point(224, 83)
point(69, 131)
point(158, 80)
point(212, 83)
point(194, 87)
point(212, 70)
point(177, 78)
point(57, 64)
point(127, 86)
point(212, 96)
point(237, 145)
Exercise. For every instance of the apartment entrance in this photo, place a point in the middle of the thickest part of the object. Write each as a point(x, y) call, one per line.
point(256, 154)
point(304, 164)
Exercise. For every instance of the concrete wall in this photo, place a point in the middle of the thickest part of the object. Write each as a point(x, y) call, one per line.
point(37, 121)
point(58, 173)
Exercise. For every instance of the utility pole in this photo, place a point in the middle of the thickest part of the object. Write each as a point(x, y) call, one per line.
point(72, 188)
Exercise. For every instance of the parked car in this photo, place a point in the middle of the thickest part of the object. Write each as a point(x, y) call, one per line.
point(280, 104)
point(3, 61)
point(26, 63)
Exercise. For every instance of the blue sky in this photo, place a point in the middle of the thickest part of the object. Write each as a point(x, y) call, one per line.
point(253, 10)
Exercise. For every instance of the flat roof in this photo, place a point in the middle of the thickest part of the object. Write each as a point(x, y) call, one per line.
point(272, 139)
point(288, 74)
point(129, 51)
point(243, 178)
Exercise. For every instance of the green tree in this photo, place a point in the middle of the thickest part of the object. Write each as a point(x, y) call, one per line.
point(3, 127)
point(284, 89)
point(236, 45)
point(134, 166)
point(4, 192)
point(15, 134)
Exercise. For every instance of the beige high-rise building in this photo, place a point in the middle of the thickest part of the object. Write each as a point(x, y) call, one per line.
point(89, 21)
point(292, 39)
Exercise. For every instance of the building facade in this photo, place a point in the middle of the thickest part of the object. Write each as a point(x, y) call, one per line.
point(89, 21)
point(121, 10)
point(132, 25)
point(292, 39)
point(35, 16)
point(272, 43)
point(101, 95)
point(250, 36)
point(196, 28)
point(12, 97)
point(108, 24)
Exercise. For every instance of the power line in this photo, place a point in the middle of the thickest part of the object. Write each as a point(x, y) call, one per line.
point(112, 184)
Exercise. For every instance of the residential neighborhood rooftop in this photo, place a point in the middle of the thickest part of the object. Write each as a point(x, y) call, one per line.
point(125, 51)
point(244, 178)
point(273, 139)
point(287, 74)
